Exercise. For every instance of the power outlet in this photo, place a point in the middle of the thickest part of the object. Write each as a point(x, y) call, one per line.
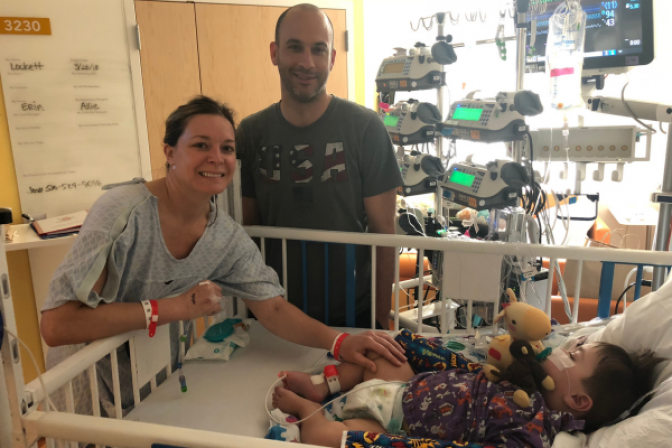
point(607, 144)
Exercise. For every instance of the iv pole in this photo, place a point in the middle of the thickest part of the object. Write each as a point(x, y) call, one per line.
point(653, 112)
point(522, 7)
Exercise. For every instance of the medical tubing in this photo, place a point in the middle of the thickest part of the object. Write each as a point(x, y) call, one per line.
point(50, 404)
point(632, 113)
point(625, 285)
point(618, 302)
point(324, 405)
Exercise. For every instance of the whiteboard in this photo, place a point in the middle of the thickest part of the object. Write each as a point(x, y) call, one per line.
point(69, 103)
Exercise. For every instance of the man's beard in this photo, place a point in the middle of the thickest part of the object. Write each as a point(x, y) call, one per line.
point(289, 82)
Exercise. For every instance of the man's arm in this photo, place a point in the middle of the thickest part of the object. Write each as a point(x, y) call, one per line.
point(380, 210)
point(251, 215)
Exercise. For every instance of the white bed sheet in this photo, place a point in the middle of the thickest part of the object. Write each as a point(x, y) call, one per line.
point(227, 397)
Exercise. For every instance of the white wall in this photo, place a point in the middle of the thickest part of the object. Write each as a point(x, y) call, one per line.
point(386, 25)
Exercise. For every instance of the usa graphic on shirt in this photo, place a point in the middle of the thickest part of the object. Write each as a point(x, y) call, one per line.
point(269, 161)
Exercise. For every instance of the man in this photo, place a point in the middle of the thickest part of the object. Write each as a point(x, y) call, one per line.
point(320, 162)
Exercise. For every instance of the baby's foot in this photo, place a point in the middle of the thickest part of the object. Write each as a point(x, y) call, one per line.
point(300, 383)
point(290, 403)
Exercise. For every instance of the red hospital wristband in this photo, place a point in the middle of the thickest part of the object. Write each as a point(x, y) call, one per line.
point(337, 346)
point(155, 318)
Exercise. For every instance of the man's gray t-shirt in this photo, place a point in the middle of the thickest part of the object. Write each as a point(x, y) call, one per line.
point(317, 177)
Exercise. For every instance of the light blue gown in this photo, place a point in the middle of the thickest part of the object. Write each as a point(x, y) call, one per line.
point(122, 231)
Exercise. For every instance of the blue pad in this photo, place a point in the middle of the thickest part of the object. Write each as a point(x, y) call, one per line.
point(221, 331)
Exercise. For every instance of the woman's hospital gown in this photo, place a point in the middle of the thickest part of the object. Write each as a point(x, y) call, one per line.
point(122, 231)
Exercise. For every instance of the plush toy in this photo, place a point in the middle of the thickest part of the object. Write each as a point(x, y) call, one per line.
point(524, 322)
point(525, 372)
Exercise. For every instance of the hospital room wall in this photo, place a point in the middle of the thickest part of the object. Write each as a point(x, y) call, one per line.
point(18, 261)
point(19, 266)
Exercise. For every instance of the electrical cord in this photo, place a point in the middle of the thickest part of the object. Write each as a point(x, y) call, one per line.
point(634, 117)
point(618, 302)
point(625, 285)
point(529, 139)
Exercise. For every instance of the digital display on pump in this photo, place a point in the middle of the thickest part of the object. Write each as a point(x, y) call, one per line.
point(391, 120)
point(393, 68)
point(467, 114)
point(461, 178)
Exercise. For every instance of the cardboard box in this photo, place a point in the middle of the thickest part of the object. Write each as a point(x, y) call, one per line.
point(639, 224)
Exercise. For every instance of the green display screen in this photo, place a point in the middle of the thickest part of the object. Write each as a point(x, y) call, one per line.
point(467, 114)
point(461, 178)
point(391, 120)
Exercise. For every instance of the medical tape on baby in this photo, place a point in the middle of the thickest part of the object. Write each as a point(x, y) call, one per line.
point(561, 360)
point(324, 406)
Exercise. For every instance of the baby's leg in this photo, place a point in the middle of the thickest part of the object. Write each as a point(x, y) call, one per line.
point(350, 375)
point(317, 430)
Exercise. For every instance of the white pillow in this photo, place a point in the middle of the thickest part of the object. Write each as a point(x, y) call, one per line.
point(646, 324)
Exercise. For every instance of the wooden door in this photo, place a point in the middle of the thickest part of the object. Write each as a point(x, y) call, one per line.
point(235, 61)
point(169, 61)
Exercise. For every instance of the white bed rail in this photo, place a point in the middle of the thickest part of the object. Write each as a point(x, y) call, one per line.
point(110, 432)
point(472, 246)
point(65, 372)
point(455, 248)
point(129, 434)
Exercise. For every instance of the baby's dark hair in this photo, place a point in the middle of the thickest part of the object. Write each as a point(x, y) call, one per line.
point(619, 380)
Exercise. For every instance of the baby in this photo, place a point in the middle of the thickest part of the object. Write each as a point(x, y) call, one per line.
point(594, 384)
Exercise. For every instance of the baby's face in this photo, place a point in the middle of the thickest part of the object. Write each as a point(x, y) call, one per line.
point(569, 380)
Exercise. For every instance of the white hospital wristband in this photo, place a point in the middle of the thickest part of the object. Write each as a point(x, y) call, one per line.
point(147, 308)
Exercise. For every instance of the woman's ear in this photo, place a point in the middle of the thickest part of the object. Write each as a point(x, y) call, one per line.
point(169, 152)
point(580, 402)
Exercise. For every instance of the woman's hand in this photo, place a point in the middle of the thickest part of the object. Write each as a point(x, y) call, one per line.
point(354, 348)
point(202, 300)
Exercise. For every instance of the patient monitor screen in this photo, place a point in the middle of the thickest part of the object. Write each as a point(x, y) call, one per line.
point(619, 33)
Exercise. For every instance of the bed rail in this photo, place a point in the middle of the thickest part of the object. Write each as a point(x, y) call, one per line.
point(109, 432)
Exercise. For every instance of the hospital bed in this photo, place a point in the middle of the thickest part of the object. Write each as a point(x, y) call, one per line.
point(224, 404)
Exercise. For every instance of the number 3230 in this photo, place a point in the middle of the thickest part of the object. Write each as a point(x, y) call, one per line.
point(15, 25)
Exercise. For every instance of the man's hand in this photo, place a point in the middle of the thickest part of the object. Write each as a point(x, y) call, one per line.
point(354, 348)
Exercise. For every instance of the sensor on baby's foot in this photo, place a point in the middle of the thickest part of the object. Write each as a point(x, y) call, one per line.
point(331, 377)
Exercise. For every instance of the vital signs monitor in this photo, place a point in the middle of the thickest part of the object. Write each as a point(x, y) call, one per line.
point(619, 35)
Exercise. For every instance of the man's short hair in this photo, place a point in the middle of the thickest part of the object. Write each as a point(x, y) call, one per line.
point(305, 7)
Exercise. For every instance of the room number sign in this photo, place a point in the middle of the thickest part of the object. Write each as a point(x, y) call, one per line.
point(25, 26)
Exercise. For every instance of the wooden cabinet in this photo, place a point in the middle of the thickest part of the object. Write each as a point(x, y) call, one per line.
point(218, 50)
point(170, 73)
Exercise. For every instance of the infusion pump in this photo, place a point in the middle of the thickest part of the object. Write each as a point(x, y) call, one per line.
point(411, 123)
point(500, 119)
point(496, 185)
point(417, 70)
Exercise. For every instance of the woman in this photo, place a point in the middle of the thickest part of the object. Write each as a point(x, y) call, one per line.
point(166, 240)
